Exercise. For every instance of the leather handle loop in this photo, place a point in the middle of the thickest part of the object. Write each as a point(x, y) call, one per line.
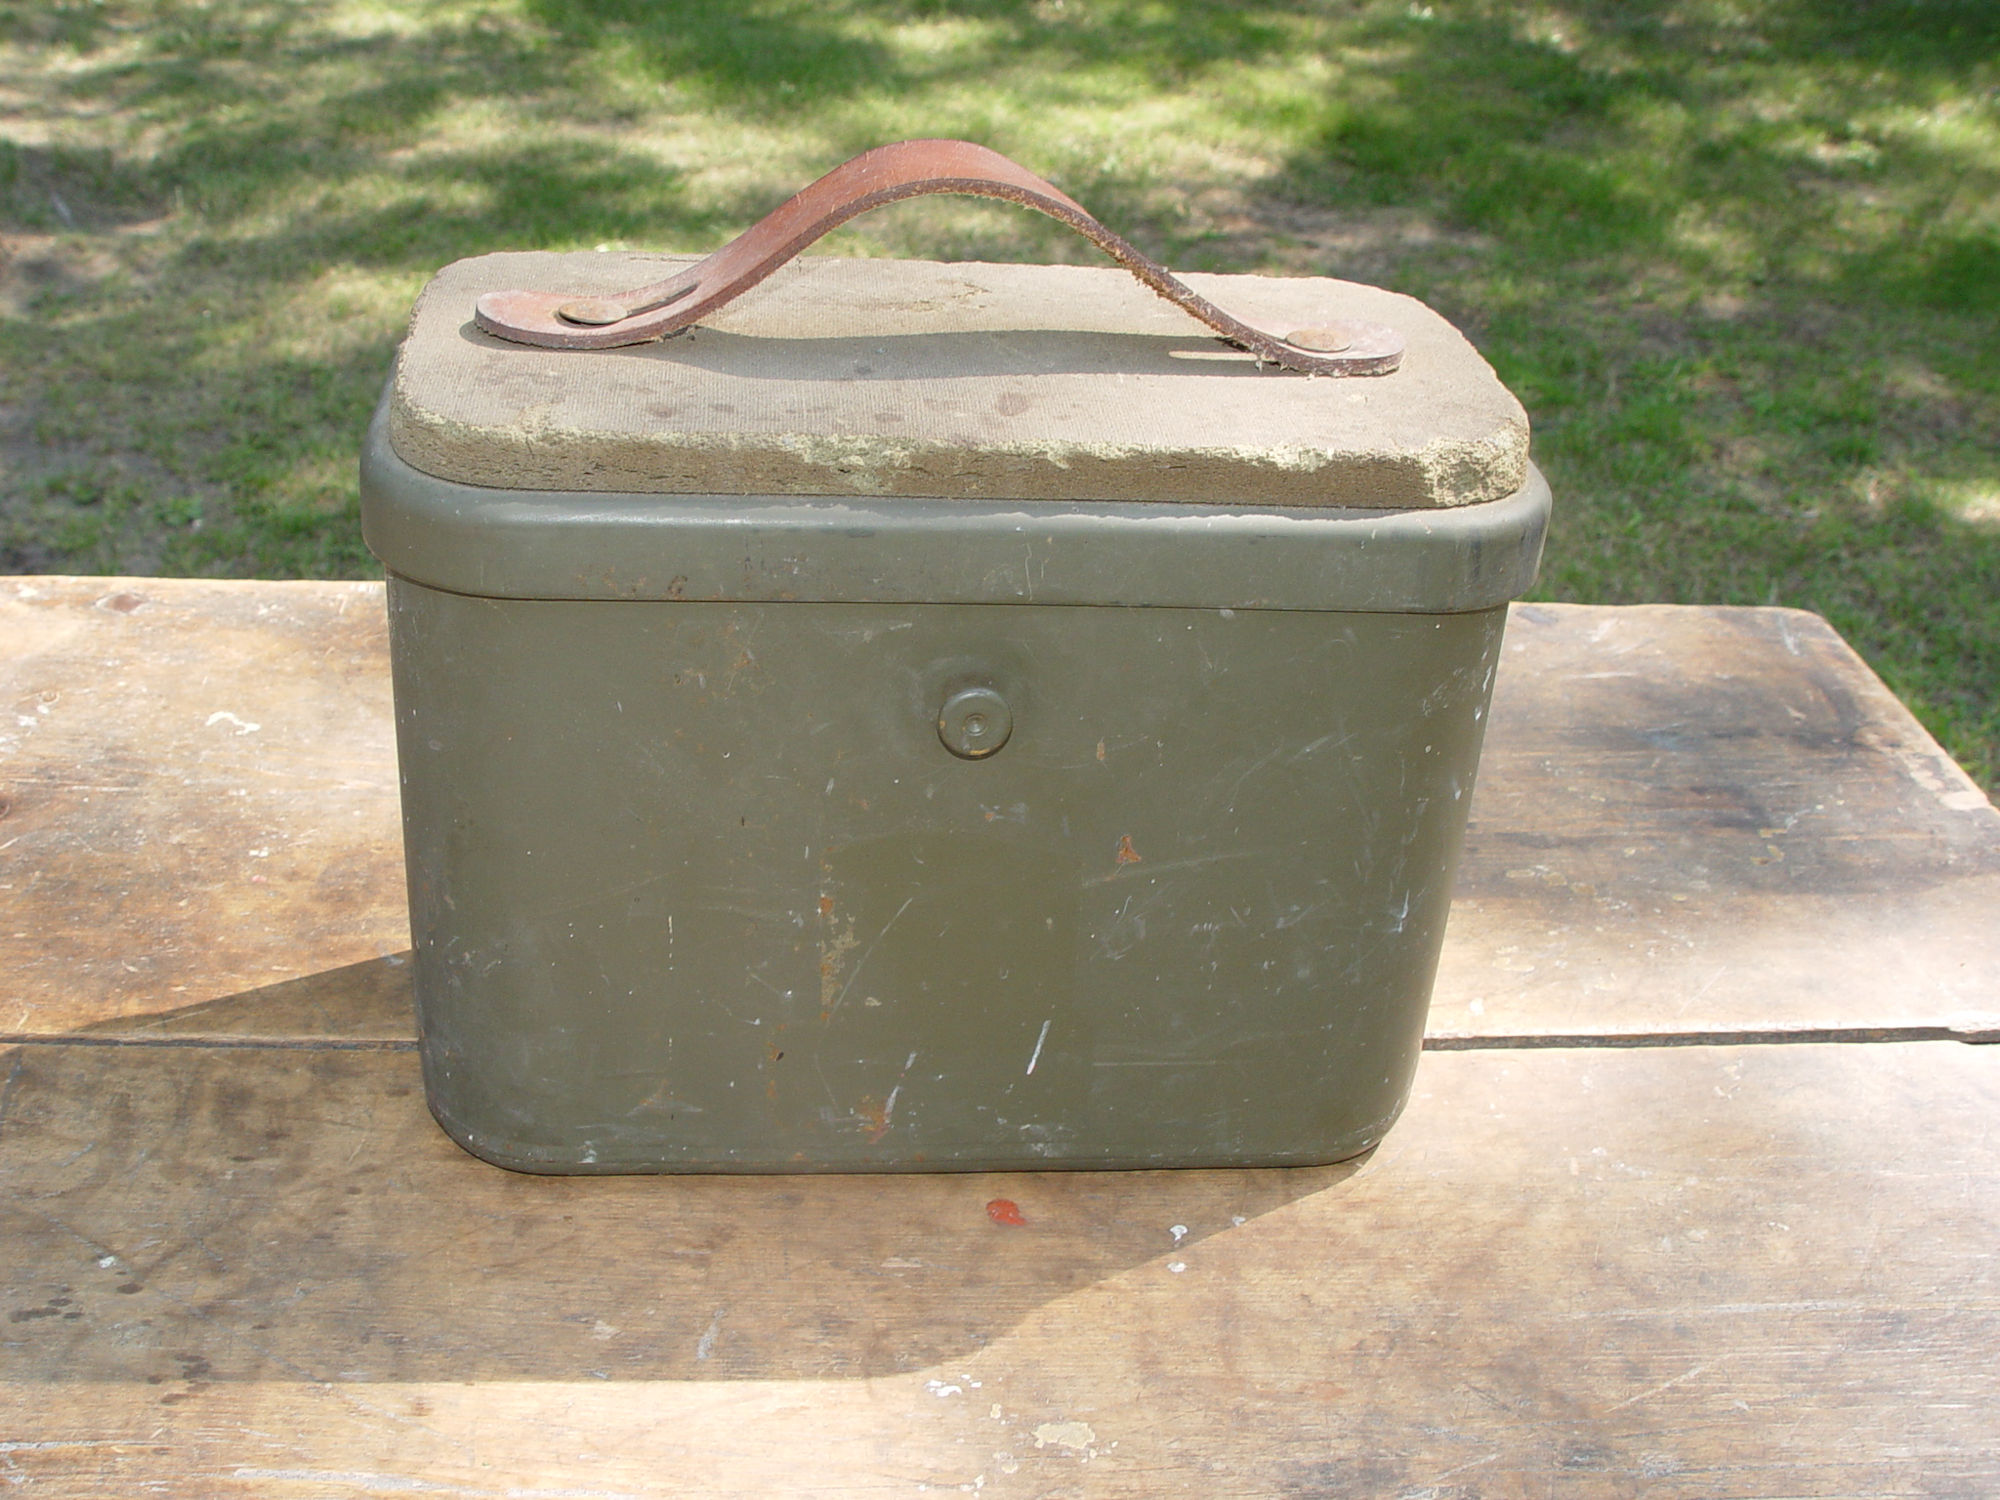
point(907, 169)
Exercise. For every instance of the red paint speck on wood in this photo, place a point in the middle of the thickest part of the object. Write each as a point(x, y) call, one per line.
point(1004, 1211)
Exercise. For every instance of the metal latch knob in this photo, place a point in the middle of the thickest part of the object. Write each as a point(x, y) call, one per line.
point(975, 722)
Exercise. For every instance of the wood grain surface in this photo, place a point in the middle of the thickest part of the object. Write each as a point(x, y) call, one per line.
point(1672, 1272)
point(237, 1257)
point(1690, 823)
point(199, 783)
point(1696, 822)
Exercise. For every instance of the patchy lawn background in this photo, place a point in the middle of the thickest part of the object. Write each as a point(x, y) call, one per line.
point(1741, 260)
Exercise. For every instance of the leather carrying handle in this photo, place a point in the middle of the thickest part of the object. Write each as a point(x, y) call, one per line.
point(907, 169)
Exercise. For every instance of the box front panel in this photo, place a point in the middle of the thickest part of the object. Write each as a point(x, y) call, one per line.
point(702, 886)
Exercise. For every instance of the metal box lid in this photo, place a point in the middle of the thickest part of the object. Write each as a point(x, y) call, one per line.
point(956, 381)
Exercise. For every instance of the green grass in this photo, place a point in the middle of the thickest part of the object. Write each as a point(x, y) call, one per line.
point(1741, 261)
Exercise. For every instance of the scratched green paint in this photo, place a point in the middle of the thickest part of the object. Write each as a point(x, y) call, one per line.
point(696, 886)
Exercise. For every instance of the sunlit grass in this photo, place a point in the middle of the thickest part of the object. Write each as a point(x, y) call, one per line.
point(1741, 260)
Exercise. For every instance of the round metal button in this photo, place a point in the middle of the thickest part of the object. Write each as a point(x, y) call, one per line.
point(975, 722)
point(1332, 339)
point(593, 312)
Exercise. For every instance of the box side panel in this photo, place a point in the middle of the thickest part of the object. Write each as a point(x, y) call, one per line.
point(700, 887)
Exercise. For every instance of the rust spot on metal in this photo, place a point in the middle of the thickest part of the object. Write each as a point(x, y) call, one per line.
point(1127, 855)
point(835, 944)
point(874, 1117)
point(1100, 751)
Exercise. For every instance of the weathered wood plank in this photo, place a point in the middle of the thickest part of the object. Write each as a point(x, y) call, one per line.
point(1678, 1272)
point(200, 793)
point(1690, 822)
point(1701, 821)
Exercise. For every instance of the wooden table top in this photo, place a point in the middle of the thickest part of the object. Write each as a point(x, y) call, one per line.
point(1696, 1197)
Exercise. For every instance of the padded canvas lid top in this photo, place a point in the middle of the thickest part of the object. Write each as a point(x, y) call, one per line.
point(913, 378)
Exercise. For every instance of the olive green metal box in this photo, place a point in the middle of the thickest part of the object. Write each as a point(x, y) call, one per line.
point(935, 717)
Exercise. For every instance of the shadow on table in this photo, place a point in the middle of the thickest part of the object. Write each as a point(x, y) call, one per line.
point(252, 1188)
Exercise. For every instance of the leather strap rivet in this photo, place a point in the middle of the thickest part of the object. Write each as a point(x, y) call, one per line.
point(1319, 340)
point(592, 312)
